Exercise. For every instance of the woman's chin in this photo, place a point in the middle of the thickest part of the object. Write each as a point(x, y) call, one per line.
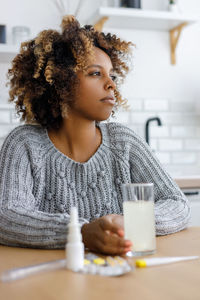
point(103, 117)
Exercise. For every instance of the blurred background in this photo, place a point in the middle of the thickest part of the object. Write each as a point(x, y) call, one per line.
point(155, 88)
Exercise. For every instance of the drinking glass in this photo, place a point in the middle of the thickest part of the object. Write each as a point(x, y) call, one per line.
point(139, 218)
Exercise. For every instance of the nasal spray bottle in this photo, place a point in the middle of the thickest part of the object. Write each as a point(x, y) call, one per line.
point(74, 246)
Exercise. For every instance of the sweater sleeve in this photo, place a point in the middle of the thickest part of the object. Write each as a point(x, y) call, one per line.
point(172, 210)
point(21, 222)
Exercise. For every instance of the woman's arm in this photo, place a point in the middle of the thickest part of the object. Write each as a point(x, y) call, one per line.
point(172, 209)
point(21, 222)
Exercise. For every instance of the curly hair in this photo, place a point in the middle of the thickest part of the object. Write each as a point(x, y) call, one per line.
point(43, 76)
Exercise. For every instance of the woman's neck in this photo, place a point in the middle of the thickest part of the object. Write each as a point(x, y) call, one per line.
point(77, 139)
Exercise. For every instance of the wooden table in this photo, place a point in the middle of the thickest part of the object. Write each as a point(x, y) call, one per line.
point(173, 282)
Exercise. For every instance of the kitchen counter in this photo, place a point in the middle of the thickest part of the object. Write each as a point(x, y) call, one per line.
point(188, 182)
point(176, 281)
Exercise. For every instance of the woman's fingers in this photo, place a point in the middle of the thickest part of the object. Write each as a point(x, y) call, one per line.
point(107, 225)
point(121, 232)
point(105, 236)
point(113, 244)
point(112, 239)
point(115, 223)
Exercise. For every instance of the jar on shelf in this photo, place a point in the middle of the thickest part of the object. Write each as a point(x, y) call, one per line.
point(2, 34)
point(131, 3)
point(20, 34)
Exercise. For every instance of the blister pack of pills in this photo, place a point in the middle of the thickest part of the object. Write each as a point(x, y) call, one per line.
point(105, 266)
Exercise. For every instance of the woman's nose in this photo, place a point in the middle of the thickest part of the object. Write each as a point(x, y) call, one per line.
point(110, 84)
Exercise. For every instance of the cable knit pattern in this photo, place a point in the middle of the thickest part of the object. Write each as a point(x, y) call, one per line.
point(39, 184)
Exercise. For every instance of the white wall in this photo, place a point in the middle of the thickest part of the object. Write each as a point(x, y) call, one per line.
point(154, 87)
point(39, 15)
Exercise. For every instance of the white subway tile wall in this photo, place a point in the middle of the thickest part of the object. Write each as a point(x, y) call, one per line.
point(170, 145)
point(155, 105)
point(176, 143)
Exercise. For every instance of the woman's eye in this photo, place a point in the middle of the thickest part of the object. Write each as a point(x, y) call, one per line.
point(96, 73)
point(113, 77)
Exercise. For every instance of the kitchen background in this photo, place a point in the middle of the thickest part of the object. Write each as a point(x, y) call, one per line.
point(154, 88)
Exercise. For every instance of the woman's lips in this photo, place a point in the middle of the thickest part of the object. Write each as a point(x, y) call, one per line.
point(108, 100)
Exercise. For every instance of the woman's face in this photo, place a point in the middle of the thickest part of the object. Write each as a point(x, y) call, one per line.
point(94, 98)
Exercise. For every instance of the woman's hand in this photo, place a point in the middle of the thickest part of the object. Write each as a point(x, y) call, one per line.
point(106, 235)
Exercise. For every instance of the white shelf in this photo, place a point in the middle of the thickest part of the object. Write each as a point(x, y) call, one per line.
point(7, 53)
point(130, 18)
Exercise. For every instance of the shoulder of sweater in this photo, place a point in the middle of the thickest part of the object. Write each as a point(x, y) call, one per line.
point(24, 144)
point(24, 134)
point(121, 133)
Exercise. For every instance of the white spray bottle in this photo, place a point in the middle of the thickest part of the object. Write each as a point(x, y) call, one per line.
point(74, 246)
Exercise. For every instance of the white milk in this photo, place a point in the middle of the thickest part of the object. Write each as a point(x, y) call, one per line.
point(139, 224)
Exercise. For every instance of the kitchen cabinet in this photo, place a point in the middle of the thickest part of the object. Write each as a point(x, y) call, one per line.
point(190, 185)
point(194, 198)
point(130, 18)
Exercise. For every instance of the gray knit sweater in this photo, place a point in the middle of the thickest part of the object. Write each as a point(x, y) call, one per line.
point(39, 184)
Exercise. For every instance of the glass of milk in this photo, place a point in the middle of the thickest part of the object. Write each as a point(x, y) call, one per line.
point(139, 218)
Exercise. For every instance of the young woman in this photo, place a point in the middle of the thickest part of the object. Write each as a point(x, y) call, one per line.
point(64, 85)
